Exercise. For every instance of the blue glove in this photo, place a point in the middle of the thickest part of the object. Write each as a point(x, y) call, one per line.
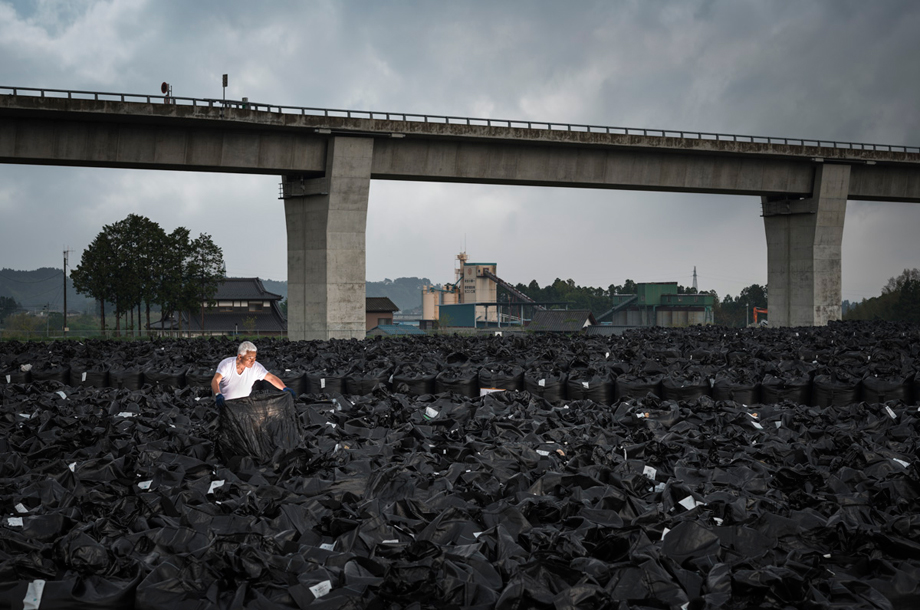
point(219, 399)
point(293, 393)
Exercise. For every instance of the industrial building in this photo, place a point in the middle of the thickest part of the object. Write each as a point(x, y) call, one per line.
point(658, 304)
point(471, 301)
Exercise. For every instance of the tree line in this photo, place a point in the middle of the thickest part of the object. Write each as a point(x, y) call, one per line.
point(134, 264)
point(899, 301)
point(729, 311)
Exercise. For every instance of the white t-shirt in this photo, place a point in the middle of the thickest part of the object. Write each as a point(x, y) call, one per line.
point(238, 385)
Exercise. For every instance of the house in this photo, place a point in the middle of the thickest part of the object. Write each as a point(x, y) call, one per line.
point(379, 310)
point(241, 306)
point(561, 320)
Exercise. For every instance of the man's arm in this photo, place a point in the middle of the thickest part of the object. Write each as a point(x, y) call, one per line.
point(272, 379)
point(215, 383)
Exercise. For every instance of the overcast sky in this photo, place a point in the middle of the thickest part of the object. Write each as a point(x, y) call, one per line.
point(835, 69)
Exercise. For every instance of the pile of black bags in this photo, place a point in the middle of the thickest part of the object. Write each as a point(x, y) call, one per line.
point(670, 469)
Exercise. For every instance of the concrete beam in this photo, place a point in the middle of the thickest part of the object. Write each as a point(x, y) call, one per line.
point(804, 239)
point(326, 225)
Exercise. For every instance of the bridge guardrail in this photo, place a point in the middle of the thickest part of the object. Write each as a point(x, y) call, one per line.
point(454, 120)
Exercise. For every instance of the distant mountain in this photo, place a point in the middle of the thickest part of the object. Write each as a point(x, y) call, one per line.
point(405, 292)
point(276, 286)
point(43, 287)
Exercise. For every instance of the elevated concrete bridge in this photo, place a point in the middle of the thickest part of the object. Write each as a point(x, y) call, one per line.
point(327, 158)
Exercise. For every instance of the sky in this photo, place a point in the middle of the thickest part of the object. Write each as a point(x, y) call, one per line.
point(845, 70)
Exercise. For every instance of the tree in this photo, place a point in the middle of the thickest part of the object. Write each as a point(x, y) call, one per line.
point(94, 275)
point(907, 308)
point(895, 284)
point(195, 270)
point(147, 250)
point(206, 270)
point(899, 301)
point(134, 262)
point(8, 305)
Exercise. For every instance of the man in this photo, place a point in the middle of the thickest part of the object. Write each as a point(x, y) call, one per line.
point(235, 376)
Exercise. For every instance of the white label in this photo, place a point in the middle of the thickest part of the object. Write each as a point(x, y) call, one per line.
point(901, 462)
point(83, 377)
point(393, 541)
point(336, 448)
point(484, 391)
point(431, 412)
point(144, 484)
point(33, 598)
point(756, 425)
point(660, 487)
point(542, 383)
point(664, 532)
point(321, 589)
point(14, 521)
point(718, 520)
point(542, 452)
point(326, 546)
point(891, 413)
point(61, 394)
point(585, 384)
point(649, 472)
point(7, 378)
point(72, 466)
point(215, 485)
point(607, 355)
point(322, 383)
point(331, 423)
point(20, 508)
point(126, 414)
point(689, 503)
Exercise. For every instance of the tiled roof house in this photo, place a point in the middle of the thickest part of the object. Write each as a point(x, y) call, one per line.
point(241, 306)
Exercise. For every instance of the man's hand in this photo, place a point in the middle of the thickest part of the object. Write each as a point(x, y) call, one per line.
point(219, 399)
point(293, 393)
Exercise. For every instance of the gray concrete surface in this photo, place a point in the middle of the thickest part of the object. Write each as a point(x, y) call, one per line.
point(804, 239)
point(326, 227)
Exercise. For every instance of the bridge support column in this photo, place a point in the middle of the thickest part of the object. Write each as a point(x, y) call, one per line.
point(804, 240)
point(326, 224)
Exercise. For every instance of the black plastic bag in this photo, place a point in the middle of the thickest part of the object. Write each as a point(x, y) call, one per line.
point(262, 427)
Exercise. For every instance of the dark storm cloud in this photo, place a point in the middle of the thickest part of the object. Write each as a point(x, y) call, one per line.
point(827, 69)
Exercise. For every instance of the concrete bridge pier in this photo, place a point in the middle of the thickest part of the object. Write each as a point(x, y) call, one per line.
point(804, 238)
point(326, 225)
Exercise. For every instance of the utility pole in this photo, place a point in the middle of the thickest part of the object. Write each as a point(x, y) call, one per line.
point(66, 251)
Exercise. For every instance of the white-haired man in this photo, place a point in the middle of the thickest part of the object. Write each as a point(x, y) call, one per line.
point(235, 376)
